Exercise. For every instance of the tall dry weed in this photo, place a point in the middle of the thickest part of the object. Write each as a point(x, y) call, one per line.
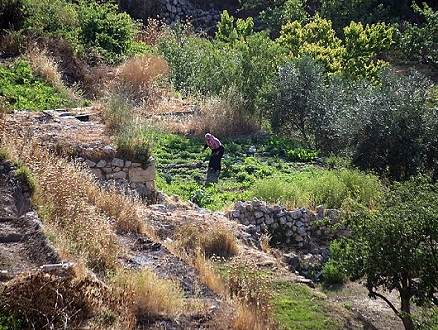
point(45, 67)
point(249, 293)
point(120, 209)
point(227, 115)
point(152, 32)
point(217, 241)
point(140, 75)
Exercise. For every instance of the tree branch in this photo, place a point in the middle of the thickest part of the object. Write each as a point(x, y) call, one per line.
point(388, 302)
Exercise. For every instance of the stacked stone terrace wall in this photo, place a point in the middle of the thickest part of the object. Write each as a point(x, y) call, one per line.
point(299, 227)
point(125, 174)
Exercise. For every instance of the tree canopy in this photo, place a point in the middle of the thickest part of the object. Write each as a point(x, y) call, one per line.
point(396, 248)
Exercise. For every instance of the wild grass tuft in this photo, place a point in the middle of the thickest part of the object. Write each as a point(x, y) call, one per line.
point(45, 67)
point(151, 295)
point(249, 289)
point(217, 241)
point(26, 176)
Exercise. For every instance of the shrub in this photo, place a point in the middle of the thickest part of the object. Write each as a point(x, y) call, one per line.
point(106, 35)
point(333, 273)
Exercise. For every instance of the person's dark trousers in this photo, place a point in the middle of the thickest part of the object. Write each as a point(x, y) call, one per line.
point(215, 158)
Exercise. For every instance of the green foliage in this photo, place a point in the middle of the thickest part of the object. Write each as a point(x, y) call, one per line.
point(301, 155)
point(420, 42)
point(342, 12)
point(316, 39)
point(201, 198)
point(395, 136)
point(311, 188)
point(96, 30)
point(354, 56)
point(52, 19)
point(395, 248)
point(273, 178)
point(20, 89)
point(203, 67)
point(332, 273)
point(228, 31)
point(9, 321)
point(284, 11)
point(133, 143)
point(296, 306)
point(295, 109)
point(117, 111)
point(106, 34)
point(362, 44)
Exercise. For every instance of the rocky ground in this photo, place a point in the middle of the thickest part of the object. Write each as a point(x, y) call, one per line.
point(24, 247)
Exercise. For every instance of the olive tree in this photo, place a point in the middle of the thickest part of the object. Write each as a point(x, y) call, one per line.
point(396, 247)
point(293, 104)
point(397, 131)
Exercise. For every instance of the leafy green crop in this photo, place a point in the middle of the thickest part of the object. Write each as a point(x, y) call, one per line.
point(21, 90)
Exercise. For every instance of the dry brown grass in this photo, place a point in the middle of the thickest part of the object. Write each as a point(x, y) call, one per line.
point(140, 76)
point(227, 115)
point(79, 215)
point(217, 241)
point(120, 209)
point(66, 301)
point(151, 295)
point(152, 32)
point(224, 115)
point(45, 67)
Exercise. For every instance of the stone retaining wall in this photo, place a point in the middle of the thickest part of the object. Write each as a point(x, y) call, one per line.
point(125, 174)
point(299, 227)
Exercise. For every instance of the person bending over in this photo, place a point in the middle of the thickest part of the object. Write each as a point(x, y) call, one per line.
point(217, 151)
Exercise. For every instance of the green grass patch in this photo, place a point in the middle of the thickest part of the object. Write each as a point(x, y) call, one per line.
point(300, 308)
point(20, 89)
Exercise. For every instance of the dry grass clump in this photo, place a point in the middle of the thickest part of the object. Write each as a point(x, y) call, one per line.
point(120, 209)
point(150, 294)
point(152, 32)
point(62, 300)
point(227, 115)
point(80, 229)
point(217, 241)
point(141, 77)
point(250, 294)
point(45, 67)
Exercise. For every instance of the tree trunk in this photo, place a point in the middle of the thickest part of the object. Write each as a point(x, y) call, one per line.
point(406, 314)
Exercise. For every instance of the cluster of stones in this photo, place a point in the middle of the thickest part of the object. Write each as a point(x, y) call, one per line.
point(125, 173)
point(299, 227)
point(182, 10)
